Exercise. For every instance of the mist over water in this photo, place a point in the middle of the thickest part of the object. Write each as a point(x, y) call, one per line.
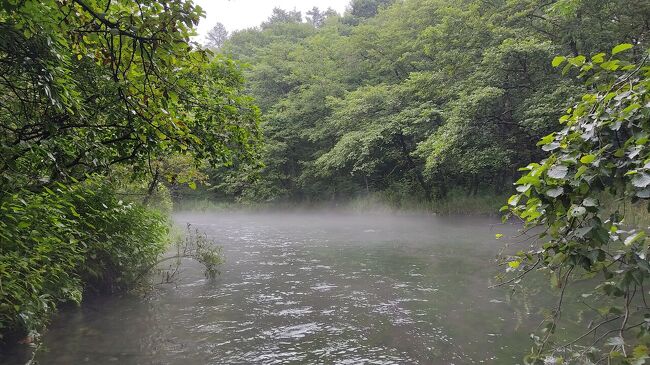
point(314, 287)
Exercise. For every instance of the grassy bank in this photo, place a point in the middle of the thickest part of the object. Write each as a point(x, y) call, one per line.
point(454, 203)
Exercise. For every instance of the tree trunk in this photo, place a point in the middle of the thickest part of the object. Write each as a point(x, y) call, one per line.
point(418, 174)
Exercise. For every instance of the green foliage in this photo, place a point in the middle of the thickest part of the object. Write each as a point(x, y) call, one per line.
point(87, 85)
point(96, 98)
point(434, 94)
point(124, 239)
point(197, 246)
point(58, 243)
point(599, 154)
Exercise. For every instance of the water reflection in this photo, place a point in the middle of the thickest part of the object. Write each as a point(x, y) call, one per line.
point(313, 288)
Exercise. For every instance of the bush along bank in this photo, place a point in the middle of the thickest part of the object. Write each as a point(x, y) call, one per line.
point(60, 243)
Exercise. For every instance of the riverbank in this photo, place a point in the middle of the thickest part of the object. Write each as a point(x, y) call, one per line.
point(453, 204)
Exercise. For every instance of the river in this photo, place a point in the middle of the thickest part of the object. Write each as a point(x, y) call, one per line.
point(314, 288)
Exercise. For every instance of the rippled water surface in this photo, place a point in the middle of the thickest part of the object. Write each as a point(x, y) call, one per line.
point(313, 288)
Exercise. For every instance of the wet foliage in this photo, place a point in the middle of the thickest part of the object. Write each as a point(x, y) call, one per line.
point(600, 151)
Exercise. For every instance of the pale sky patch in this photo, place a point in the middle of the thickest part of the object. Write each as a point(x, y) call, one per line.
point(242, 14)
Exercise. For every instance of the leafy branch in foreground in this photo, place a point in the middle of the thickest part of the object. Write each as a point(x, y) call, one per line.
point(601, 155)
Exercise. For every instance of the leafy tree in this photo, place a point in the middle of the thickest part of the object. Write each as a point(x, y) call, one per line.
point(283, 16)
point(91, 92)
point(363, 9)
point(582, 195)
point(217, 36)
point(317, 18)
point(102, 87)
point(470, 81)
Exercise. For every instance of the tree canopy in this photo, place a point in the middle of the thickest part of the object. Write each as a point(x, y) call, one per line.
point(87, 85)
point(99, 102)
point(416, 99)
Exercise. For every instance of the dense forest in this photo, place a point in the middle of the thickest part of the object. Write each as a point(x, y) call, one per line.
point(414, 100)
point(111, 112)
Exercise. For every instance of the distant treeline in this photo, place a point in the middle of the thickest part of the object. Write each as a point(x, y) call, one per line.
point(413, 99)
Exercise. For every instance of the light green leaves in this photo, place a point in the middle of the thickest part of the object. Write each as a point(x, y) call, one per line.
point(558, 60)
point(620, 48)
point(587, 159)
point(577, 60)
point(598, 58)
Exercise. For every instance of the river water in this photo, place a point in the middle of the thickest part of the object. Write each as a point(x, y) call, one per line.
point(314, 288)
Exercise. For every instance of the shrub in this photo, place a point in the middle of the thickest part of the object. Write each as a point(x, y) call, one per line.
point(57, 243)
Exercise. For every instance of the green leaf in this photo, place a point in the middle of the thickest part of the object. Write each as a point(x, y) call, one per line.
point(587, 159)
point(558, 258)
point(577, 60)
point(192, 185)
point(558, 172)
point(590, 202)
point(641, 180)
point(598, 58)
point(620, 48)
point(558, 60)
point(547, 139)
point(555, 192)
